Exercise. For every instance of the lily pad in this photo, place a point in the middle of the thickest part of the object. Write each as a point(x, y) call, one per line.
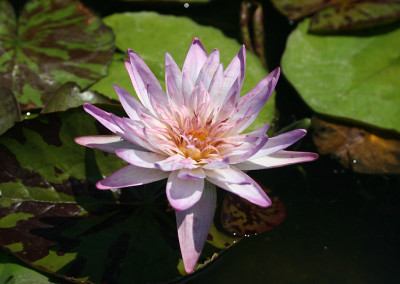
point(53, 218)
point(151, 35)
point(341, 15)
point(52, 42)
point(349, 77)
point(9, 110)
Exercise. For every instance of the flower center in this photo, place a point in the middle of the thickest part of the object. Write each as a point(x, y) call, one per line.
point(200, 134)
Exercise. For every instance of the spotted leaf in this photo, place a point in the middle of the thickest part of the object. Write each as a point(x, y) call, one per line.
point(240, 217)
point(50, 43)
point(340, 15)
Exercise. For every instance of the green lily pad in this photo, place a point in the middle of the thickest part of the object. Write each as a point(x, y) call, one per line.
point(53, 218)
point(52, 42)
point(351, 77)
point(9, 110)
point(151, 35)
point(341, 15)
point(69, 96)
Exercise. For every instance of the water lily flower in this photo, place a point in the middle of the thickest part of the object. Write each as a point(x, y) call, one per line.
point(192, 135)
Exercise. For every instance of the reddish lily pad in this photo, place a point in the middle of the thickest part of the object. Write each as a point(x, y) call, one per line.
point(51, 42)
point(53, 218)
point(340, 15)
point(240, 217)
point(9, 110)
point(359, 149)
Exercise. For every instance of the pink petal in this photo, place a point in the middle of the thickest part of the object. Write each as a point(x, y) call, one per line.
point(102, 116)
point(173, 80)
point(217, 164)
point(140, 158)
point(197, 173)
point(131, 176)
point(183, 193)
point(131, 130)
point(145, 83)
point(229, 174)
point(250, 191)
point(129, 103)
point(278, 159)
point(106, 143)
point(207, 71)
point(194, 225)
point(194, 61)
point(249, 146)
point(215, 89)
point(280, 142)
point(235, 71)
point(231, 99)
point(176, 162)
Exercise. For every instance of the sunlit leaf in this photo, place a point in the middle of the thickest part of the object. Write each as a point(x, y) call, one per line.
point(151, 35)
point(357, 148)
point(352, 77)
point(70, 95)
point(340, 15)
point(9, 110)
point(51, 42)
point(240, 217)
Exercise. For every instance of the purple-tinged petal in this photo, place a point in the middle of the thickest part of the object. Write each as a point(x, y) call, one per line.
point(130, 104)
point(228, 106)
point(131, 131)
point(217, 165)
point(280, 142)
point(176, 162)
point(183, 193)
point(102, 116)
point(145, 83)
point(250, 191)
point(229, 174)
point(194, 61)
point(235, 71)
point(207, 72)
point(249, 146)
point(106, 143)
point(194, 225)
point(173, 80)
point(278, 159)
point(140, 158)
point(215, 89)
point(254, 101)
point(131, 176)
point(197, 173)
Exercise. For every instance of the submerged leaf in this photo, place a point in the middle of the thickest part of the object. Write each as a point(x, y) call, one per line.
point(240, 217)
point(52, 42)
point(357, 148)
point(352, 77)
